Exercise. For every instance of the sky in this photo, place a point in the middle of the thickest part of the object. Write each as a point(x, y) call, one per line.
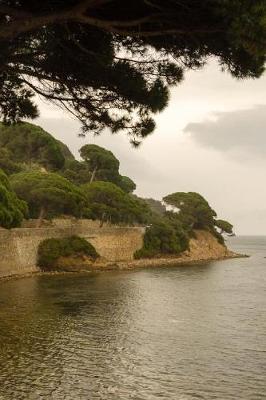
point(211, 139)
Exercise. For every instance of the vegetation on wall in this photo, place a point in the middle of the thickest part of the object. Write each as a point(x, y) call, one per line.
point(50, 250)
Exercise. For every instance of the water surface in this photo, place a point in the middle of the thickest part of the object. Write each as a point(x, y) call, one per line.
point(194, 332)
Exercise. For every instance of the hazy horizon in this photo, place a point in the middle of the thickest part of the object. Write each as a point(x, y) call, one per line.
point(210, 139)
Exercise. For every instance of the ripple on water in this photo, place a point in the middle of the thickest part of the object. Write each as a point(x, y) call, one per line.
point(181, 333)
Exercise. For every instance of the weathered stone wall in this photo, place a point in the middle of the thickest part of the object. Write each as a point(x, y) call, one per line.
point(18, 247)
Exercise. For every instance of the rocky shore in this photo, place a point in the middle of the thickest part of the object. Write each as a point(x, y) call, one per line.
point(204, 247)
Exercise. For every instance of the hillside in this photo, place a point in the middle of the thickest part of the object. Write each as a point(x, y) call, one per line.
point(29, 144)
point(203, 247)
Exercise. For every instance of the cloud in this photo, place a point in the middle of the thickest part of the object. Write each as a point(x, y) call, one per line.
point(239, 134)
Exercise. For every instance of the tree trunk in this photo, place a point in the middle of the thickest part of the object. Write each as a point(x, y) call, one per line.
point(102, 220)
point(40, 219)
point(93, 175)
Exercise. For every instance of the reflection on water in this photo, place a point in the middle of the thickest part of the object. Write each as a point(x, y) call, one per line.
point(196, 332)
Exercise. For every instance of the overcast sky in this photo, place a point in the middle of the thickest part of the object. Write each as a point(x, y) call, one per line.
point(211, 139)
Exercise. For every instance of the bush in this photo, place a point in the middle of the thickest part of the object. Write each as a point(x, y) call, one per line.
point(162, 238)
point(50, 250)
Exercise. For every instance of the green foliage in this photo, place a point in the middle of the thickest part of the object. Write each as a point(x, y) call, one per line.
point(98, 164)
point(7, 164)
point(224, 226)
point(77, 172)
point(12, 210)
point(112, 65)
point(50, 250)
point(126, 184)
point(109, 203)
point(102, 164)
point(28, 143)
point(156, 206)
point(170, 231)
point(194, 210)
point(49, 195)
point(162, 238)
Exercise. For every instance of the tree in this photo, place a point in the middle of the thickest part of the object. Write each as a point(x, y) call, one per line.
point(109, 203)
point(12, 209)
point(163, 237)
point(6, 162)
point(49, 195)
point(224, 226)
point(101, 162)
point(28, 143)
point(194, 210)
point(111, 62)
point(156, 206)
point(126, 184)
point(77, 172)
point(98, 164)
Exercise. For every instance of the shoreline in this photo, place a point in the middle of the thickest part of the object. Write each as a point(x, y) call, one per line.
point(172, 261)
point(162, 262)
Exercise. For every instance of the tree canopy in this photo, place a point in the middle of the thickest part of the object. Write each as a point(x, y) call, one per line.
point(98, 164)
point(109, 203)
point(6, 162)
point(224, 226)
point(156, 206)
point(101, 162)
point(12, 209)
point(111, 62)
point(193, 209)
point(28, 143)
point(49, 195)
point(126, 184)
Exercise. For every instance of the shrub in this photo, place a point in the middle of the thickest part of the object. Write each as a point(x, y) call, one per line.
point(162, 238)
point(50, 250)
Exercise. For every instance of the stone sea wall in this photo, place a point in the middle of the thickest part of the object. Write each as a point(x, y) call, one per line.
point(18, 247)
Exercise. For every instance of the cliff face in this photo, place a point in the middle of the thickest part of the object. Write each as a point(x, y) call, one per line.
point(205, 247)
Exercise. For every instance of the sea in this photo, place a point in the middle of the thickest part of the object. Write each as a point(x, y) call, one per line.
point(184, 332)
